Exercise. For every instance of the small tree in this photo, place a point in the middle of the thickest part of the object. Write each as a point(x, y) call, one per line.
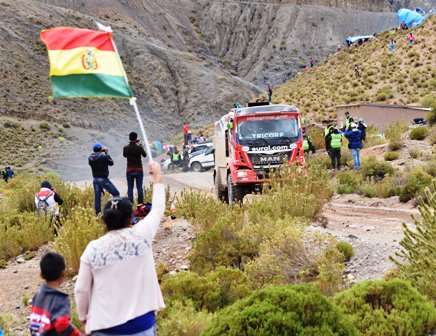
point(417, 261)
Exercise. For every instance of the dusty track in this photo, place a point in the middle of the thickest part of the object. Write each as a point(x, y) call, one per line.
point(372, 226)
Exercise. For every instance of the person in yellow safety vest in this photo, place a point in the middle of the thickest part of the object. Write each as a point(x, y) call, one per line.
point(335, 144)
point(176, 157)
point(348, 120)
point(307, 143)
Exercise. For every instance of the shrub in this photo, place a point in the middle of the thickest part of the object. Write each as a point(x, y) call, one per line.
point(417, 259)
point(383, 94)
point(76, 232)
point(330, 270)
point(371, 167)
point(414, 153)
point(181, 319)
point(430, 168)
point(44, 125)
point(212, 291)
point(346, 249)
point(395, 145)
point(391, 156)
point(348, 182)
point(430, 101)
point(288, 310)
point(287, 257)
point(395, 130)
point(385, 188)
point(419, 133)
point(387, 308)
point(417, 180)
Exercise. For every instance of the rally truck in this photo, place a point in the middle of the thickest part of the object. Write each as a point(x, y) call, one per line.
point(249, 142)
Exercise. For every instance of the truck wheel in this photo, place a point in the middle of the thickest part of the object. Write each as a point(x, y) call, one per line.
point(220, 194)
point(197, 167)
point(235, 193)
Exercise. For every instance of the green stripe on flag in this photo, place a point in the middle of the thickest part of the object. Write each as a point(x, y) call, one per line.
point(90, 85)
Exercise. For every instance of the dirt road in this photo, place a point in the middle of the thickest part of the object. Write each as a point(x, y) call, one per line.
point(372, 226)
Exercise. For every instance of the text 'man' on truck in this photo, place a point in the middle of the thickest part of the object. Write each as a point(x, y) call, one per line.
point(251, 141)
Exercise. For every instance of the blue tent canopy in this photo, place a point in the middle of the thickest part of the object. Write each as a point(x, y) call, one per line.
point(411, 18)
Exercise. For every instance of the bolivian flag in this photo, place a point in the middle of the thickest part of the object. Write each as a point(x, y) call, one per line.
point(84, 63)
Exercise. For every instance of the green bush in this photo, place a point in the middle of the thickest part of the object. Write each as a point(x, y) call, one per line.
point(288, 310)
point(385, 188)
point(44, 125)
point(417, 260)
point(417, 180)
point(419, 133)
point(430, 101)
point(348, 182)
point(395, 145)
point(371, 167)
point(391, 156)
point(346, 249)
point(387, 308)
point(212, 291)
point(181, 319)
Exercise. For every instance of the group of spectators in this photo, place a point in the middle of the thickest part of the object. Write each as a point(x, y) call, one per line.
point(117, 290)
point(355, 132)
point(6, 174)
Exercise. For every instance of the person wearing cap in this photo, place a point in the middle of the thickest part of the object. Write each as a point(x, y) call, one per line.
point(99, 160)
point(354, 136)
point(327, 135)
point(362, 127)
point(48, 200)
point(133, 152)
point(117, 290)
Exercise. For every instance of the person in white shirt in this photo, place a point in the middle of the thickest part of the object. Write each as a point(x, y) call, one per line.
point(48, 201)
point(117, 290)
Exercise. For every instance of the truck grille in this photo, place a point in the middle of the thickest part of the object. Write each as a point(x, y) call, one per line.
point(268, 159)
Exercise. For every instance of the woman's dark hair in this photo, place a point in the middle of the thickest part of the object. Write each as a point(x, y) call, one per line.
point(116, 213)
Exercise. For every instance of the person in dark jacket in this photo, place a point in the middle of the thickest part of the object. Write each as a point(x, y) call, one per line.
point(50, 313)
point(362, 127)
point(354, 137)
point(133, 152)
point(100, 161)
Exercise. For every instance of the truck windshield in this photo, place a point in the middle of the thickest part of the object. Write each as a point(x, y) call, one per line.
point(268, 131)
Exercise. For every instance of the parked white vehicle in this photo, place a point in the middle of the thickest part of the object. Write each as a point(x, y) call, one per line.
point(202, 161)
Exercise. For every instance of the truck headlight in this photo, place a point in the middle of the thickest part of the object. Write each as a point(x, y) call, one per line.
point(242, 174)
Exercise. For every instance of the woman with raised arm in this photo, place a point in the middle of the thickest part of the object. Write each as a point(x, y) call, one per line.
point(117, 290)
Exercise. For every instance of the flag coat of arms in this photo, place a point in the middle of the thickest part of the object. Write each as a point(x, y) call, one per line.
point(84, 63)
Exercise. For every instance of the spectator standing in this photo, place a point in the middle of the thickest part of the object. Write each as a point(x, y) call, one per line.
point(357, 70)
point(176, 157)
point(362, 127)
point(270, 92)
point(411, 38)
point(354, 137)
point(348, 120)
point(186, 133)
point(50, 312)
point(100, 161)
point(311, 62)
point(392, 46)
point(133, 152)
point(117, 290)
point(327, 135)
point(307, 143)
point(335, 144)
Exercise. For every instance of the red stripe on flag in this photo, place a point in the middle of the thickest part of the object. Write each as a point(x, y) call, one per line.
point(71, 38)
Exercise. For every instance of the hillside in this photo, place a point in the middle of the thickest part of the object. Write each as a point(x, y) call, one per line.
point(406, 77)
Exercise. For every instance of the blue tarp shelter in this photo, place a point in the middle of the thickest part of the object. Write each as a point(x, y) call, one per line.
point(411, 18)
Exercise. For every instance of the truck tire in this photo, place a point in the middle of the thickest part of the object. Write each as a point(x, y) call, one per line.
point(235, 193)
point(221, 195)
point(197, 167)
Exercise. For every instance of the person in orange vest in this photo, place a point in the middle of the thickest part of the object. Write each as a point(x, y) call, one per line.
point(47, 200)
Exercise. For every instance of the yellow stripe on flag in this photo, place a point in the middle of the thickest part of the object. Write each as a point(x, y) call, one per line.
point(84, 60)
